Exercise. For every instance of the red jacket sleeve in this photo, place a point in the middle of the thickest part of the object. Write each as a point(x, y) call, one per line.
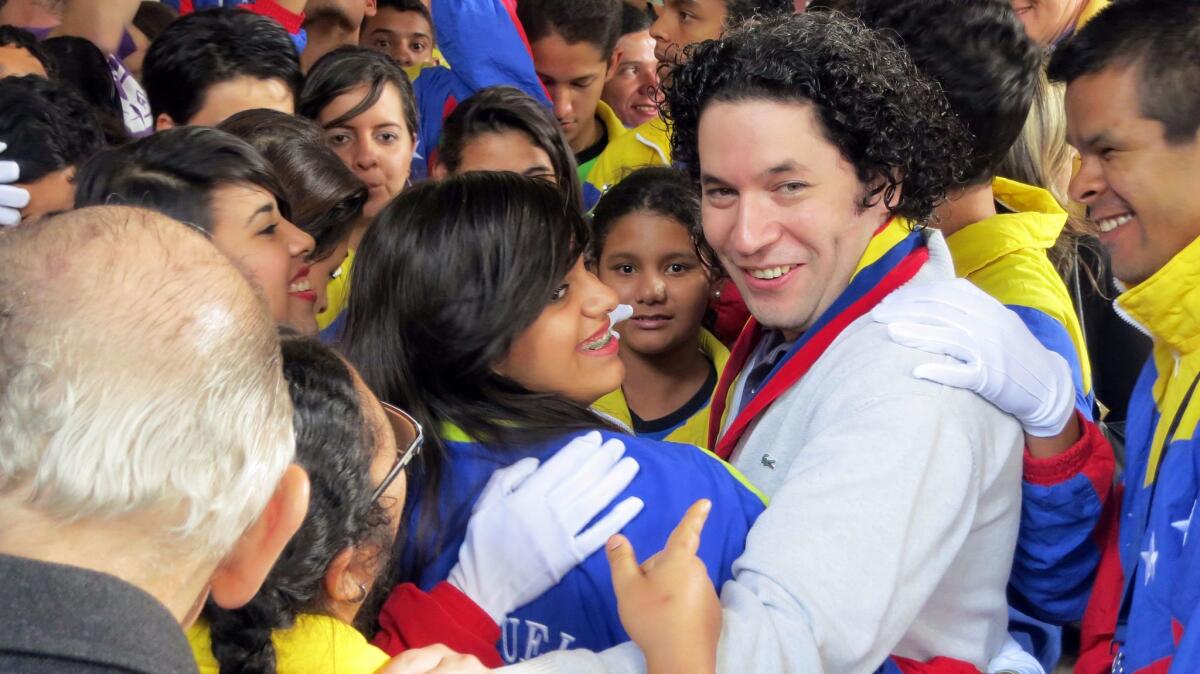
point(1100, 620)
point(412, 618)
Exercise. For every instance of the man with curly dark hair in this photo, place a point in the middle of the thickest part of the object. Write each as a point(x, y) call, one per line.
point(820, 151)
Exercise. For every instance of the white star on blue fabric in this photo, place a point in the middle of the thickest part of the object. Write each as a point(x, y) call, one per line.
point(1150, 559)
point(1183, 525)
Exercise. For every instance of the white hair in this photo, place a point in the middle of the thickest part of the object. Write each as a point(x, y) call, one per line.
point(140, 376)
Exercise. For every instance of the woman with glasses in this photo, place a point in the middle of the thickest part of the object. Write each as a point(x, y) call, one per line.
point(308, 614)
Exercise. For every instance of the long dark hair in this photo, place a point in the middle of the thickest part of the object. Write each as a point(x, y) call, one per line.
point(501, 109)
point(449, 275)
point(347, 68)
point(327, 198)
point(336, 446)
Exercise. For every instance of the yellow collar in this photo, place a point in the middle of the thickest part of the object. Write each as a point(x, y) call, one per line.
point(1091, 10)
point(611, 122)
point(886, 239)
point(1036, 222)
point(1167, 305)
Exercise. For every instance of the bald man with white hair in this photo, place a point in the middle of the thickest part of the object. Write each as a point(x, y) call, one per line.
point(145, 442)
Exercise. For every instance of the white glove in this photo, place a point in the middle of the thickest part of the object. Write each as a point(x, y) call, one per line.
point(1013, 659)
point(525, 532)
point(1000, 359)
point(12, 199)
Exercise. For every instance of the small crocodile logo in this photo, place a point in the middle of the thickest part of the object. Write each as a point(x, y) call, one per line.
point(768, 461)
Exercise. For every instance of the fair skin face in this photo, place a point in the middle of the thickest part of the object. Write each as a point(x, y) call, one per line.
point(357, 567)
point(405, 36)
point(574, 75)
point(377, 144)
point(567, 350)
point(16, 61)
point(634, 86)
point(225, 99)
point(684, 22)
point(1046, 20)
point(781, 208)
point(52, 193)
point(649, 260)
point(1136, 184)
point(321, 272)
point(269, 250)
point(510, 151)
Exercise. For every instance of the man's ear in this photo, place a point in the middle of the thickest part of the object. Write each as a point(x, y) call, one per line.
point(439, 171)
point(164, 122)
point(243, 571)
point(371, 8)
point(612, 64)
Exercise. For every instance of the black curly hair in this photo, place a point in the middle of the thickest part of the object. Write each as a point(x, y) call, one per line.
point(984, 62)
point(662, 190)
point(884, 116)
point(335, 445)
point(738, 11)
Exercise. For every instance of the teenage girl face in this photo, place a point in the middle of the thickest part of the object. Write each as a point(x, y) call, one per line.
point(509, 150)
point(377, 144)
point(568, 350)
point(649, 260)
point(269, 250)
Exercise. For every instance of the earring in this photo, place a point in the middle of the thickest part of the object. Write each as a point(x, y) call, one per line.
point(362, 594)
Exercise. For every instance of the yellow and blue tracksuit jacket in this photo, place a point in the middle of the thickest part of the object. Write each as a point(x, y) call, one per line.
point(646, 145)
point(615, 130)
point(581, 610)
point(1158, 537)
point(693, 431)
point(1006, 257)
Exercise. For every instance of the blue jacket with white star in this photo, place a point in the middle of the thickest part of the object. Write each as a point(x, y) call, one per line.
point(1153, 614)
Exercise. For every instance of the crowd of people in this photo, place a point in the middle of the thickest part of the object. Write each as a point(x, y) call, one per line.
point(681, 336)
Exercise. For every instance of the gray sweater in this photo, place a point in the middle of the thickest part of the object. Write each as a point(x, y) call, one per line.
point(894, 511)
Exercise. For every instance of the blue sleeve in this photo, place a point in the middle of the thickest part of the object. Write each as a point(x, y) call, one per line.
point(485, 47)
point(1057, 554)
point(1054, 336)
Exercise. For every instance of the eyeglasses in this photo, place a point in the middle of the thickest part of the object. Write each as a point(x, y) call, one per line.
point(408, 435)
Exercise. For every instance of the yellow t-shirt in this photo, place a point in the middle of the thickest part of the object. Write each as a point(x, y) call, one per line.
point(694, 431)
point(316, 644)
point(336, 293)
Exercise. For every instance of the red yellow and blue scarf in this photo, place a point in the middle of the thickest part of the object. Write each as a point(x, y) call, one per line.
point(894, 255)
